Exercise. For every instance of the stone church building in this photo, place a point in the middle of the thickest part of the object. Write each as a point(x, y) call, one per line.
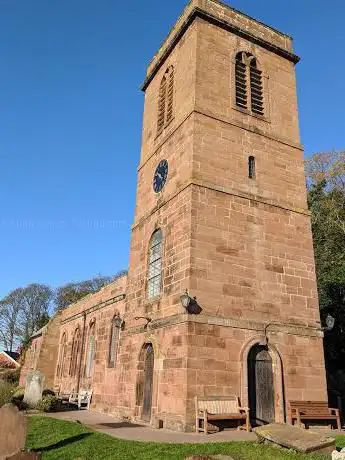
point(221, 211)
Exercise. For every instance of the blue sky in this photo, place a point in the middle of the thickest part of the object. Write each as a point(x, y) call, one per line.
point(70, 121)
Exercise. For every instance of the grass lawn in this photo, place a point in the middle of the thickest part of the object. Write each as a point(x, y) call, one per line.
point(59, 439)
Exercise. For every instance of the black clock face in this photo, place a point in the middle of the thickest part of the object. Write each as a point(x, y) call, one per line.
point(161, 175)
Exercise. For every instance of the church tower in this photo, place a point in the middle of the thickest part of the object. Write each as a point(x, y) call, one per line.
point(221, 211)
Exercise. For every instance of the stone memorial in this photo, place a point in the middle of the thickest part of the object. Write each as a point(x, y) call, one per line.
point(295, 438)
point(338, 455)
point(13, 428)
point(33, 388)
point(210, 457)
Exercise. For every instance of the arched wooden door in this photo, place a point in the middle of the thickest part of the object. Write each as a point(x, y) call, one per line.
point(260, 386)
point(148, 382)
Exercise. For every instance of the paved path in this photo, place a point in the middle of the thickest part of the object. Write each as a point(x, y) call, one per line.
point(137, 432)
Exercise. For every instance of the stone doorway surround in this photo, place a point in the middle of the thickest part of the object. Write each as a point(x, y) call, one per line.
point(278, 376)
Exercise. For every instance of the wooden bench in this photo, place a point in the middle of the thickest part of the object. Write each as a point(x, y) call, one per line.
point(83, 397)
point(219, 408)
point(312, 410)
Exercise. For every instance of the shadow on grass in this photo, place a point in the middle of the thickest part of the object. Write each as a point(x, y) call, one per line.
point(63, 443)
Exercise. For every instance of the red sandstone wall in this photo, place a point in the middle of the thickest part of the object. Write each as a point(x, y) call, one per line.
point(102, 316)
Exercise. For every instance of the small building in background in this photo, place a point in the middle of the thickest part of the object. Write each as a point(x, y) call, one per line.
point(9, 360)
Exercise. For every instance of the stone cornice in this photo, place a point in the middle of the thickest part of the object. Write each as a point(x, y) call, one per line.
point(197, 12)
point(235, 323)
point(226, 190)
point(250, 128)
point(94, 308)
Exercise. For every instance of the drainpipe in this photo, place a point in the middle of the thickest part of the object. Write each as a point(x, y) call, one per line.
point(81, 352)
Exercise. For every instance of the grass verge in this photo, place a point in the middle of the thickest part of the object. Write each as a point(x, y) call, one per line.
point(59, 439)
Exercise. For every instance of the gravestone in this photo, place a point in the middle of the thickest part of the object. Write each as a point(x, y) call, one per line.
point(338, 455)
point(210, 457)
point(13, 428)
point(33, 388)
point(295, 438)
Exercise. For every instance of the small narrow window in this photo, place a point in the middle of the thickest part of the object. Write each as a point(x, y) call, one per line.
point(90, 352)
point(251, 167)
point(114, 340)
point(155, 265)
point(165, 100)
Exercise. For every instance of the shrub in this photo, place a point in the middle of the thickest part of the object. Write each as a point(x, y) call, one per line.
point(11, 376)
point(6, 391)
point(47, 404)
point(48, 392)
point(17, 398)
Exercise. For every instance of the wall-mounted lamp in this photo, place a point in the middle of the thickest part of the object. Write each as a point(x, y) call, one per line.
point(149, 320)
point(190, 304)
point(330, 321)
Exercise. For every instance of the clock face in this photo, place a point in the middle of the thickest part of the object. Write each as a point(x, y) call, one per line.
point(161, 175)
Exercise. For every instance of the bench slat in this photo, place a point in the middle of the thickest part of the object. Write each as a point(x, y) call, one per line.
point(312, 410)
point(219, 408)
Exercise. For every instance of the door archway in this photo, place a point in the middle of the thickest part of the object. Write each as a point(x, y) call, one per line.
point(148, 382)
point(261, 391)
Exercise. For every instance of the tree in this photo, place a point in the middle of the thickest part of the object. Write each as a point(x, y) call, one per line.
point(326, 197)
point(22, 312)
point(72, 292)
point(10, 311)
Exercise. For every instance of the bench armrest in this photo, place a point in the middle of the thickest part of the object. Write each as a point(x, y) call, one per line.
point(334, 411)
point(244, 409)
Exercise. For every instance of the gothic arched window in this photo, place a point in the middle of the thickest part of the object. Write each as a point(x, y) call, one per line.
point(114, 340)
point(75, 355)
point(62, 356)
point(248, 82)
point(165, 100)
point(154, 283)
point(90, 357)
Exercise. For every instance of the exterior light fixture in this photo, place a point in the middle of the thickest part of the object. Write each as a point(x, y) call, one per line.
point(144, 317)
point(330, 322)
point(185, 299)
point(190, 304)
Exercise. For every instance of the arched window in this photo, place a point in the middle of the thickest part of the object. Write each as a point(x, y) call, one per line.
point(165, 100)
point(75, 356)
point(90, 357)
point(248, 82)
point(155, 265)
point(62, 356)
point(114, 340)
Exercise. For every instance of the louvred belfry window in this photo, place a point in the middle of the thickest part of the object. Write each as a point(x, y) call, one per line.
point(241, 81)
point(249, 84)
point(166, 100)
point(257, 101)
